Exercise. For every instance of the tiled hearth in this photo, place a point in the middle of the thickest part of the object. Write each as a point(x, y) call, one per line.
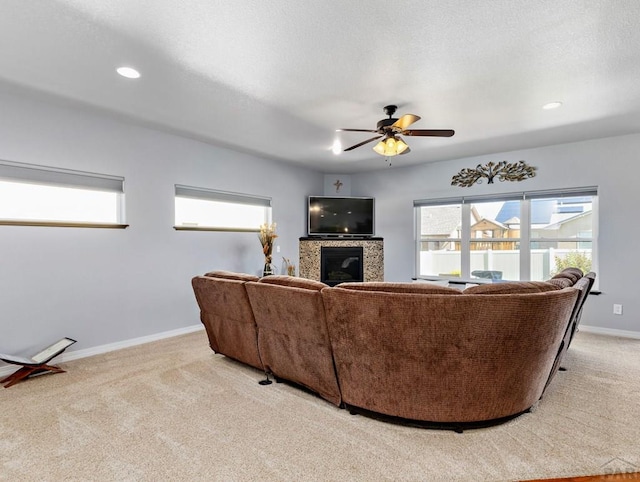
point(373, 254)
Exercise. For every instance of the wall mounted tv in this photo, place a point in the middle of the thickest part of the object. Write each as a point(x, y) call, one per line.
point(341, 216)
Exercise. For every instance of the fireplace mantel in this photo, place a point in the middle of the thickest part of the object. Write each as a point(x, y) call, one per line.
point(373, 254)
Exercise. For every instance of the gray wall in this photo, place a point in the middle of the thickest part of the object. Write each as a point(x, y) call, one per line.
point(610, 164)
point(102, 286)
point(106, 286)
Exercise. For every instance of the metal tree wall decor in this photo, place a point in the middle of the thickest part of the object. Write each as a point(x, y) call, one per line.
point(503, 170)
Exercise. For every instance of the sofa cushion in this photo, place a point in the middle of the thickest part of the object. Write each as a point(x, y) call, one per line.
point(561, 282)
point(573, 274)
point(577, 271)
point(511, 287)
point(231, 275)
point(293, 282)
point(420, 288)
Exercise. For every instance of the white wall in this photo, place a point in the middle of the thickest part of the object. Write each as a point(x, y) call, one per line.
point(102, 286)
point(610, 164)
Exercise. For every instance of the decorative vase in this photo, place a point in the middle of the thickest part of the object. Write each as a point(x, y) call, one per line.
point(266, 236)
point(268, 267)
point(288, 267)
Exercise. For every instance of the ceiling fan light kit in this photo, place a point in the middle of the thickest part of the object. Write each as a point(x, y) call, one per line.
point(389, 131)
point(391, 146)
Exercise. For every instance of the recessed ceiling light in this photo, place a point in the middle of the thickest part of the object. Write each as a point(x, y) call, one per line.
point(128, 72)
point(552, 105)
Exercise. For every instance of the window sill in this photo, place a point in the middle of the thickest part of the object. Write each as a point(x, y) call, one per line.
point(63, 224)
point(206, 228)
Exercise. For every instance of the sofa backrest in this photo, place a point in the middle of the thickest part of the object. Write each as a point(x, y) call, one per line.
point(292, 332)
point(561, 282)
point(402, 354)
point(293, 281)
point(418, 288)
point(231, 275)
point(573, 274)
point(511, 287)
point(228, 318)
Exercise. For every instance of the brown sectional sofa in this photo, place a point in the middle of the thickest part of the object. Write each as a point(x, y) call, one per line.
point(411, 350)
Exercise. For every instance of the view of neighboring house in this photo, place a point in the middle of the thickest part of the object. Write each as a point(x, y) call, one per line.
point(556, 227)
point(562, 218)
point(441, 222)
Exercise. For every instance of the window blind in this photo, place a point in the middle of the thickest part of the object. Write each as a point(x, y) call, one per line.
point(559, 193)
point(222, 196)
point(14, 171)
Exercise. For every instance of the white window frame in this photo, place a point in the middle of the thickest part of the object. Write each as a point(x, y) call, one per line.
point(525, 226)
point(206, 194)
point(48, 176)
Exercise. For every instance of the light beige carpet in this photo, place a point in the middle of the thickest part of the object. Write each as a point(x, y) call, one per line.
point(173, 410)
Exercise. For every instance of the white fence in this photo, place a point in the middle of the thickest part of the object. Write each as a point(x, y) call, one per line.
point(447, 263)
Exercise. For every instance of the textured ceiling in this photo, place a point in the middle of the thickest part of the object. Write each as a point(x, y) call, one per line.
point(277, 78)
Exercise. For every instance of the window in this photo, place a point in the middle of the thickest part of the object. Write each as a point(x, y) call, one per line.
point(441, 236)
point(206, 209)
point(567, 240)
point(45, 196)
point(526, 236)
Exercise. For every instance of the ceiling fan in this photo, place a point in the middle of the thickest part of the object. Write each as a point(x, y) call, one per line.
point(390, 130)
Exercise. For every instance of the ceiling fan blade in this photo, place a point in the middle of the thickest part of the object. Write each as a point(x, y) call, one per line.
point(362, 143)
point(429, 132)
point(405, 121)
point(355, 130)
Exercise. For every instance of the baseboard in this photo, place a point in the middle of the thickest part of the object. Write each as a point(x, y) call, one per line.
point(98, 350)
point(610, 332)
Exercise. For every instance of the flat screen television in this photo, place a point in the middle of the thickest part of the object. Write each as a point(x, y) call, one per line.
point(341, 216)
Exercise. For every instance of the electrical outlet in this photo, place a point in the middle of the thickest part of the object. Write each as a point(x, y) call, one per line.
point(617, 309)
point(278, 249)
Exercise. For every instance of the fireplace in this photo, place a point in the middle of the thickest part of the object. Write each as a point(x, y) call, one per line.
point(341, 264)
point(372, 256)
